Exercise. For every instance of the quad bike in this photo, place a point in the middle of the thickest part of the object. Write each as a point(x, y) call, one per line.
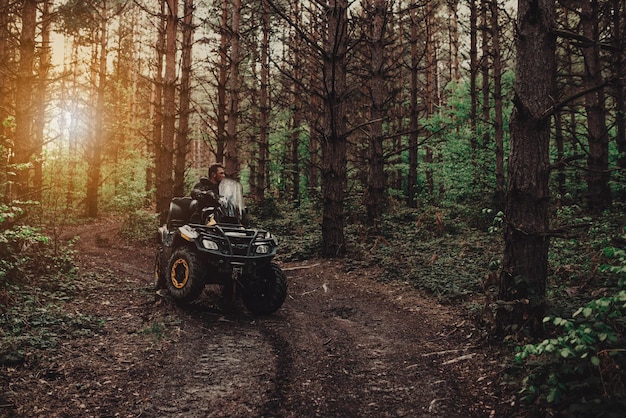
point(219, 249)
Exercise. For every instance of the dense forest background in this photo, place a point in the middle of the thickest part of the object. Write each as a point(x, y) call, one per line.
point(351, 120)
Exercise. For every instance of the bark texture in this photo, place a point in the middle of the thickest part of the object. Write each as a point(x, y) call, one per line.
point(525, 261)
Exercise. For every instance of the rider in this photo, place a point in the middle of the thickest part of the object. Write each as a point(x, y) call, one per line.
point(207, 190)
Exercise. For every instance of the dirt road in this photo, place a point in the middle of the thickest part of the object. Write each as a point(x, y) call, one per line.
point(343, 345)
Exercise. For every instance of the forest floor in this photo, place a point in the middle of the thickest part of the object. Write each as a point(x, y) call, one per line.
point(343, 344)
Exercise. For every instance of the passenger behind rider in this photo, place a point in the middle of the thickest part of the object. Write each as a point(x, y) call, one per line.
point(207, 190)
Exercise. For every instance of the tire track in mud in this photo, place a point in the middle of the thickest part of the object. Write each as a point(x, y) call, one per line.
point(222, 371)
point(333, 350)
point(282, 373)
point(342, 351)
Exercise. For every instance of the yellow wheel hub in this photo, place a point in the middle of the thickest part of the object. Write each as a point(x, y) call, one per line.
point(180, 270)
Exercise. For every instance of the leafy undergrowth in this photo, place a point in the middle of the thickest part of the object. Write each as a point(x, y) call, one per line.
point(578, 369)
point(36, 279)
point(36, 320)
point(434, 251)
point(139, 226)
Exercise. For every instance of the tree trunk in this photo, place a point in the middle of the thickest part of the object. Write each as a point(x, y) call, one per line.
point(297, 117)
point(498, 124)
point(526, 242)
point(222, 79)
point(24, 110)
point(313, 175)
point(253, 131)
point(231, 156)
point(94, 160)
point(375, 202)
point(598, 174)
point(431, 91)
point(41, 94)
point(72, 131)
point(413, 113)
point(166, 150)
point(473, 82)
point(484, 73)
point(455, 65)
point(560, 154)
point(5, 18)
point(182, 135)
point(334, 142)
point(619, 10)
point(156, 104)
point(263, 140)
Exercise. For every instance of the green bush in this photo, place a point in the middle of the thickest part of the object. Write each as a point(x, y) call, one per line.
point(579, 370)
point(20, 246)
point(297, 230)
point(35, 280)
point(140, 226)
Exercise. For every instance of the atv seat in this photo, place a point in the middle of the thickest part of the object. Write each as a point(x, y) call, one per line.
point(181, 209)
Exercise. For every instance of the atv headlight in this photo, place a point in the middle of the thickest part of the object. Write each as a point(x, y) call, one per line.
point(210, 245)
point(262, 249)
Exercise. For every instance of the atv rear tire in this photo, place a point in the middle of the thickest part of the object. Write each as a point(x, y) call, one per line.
point(266, 293)
point(186, 275)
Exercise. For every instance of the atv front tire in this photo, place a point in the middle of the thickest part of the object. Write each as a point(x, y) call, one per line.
point(266, 293)
point(186, 275)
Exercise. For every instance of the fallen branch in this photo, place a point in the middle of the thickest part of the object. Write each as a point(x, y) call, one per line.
point(439, 353)
point(300, 267)
point(456, 360)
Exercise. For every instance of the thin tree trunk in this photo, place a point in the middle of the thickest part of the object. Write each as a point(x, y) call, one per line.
point(484, 75)
point(334, 141)
point(253, 132)
point(413, 113)
point(498, 124)
point(222, 79)
point(166, 150)
point(41, 94)
point(23, 148)
point(154, 148)
point(182, 135)
point(263, 107)
point(598, 174)
point(296, 119)
point(72, 132)
point(296, 126)
point(619, 10)
point(526, 242)
point(560, 154)
point(5, 17)
point(455, 73)
point(94, 162)
point(313, 175)
point(473, 82)
point(430, 99)
point(572, 123)
point(231, 157)
point(375, 202)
